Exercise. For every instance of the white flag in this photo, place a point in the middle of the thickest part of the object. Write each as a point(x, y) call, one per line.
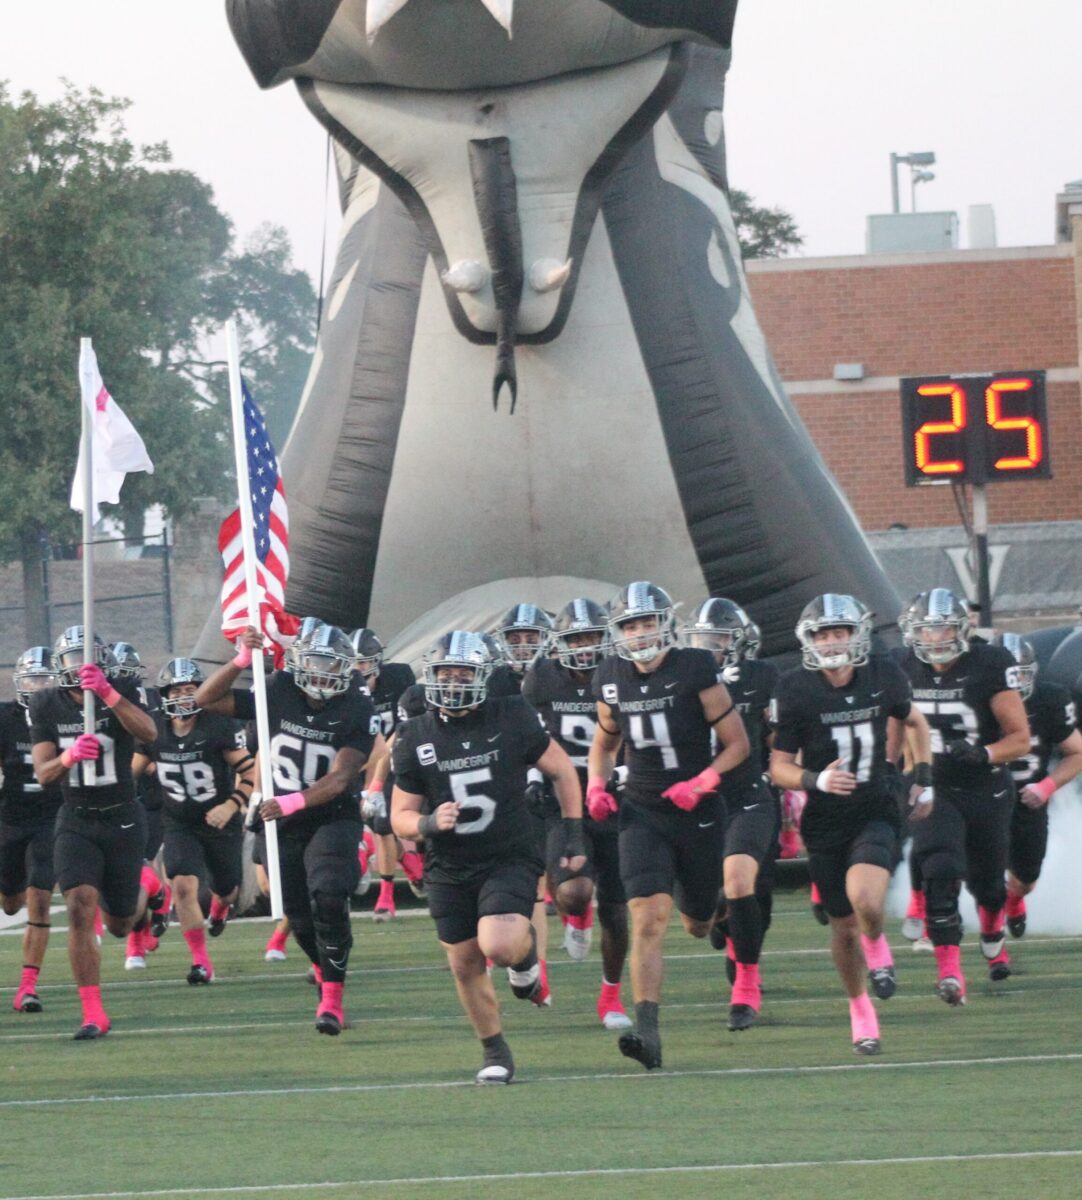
point(116, 447)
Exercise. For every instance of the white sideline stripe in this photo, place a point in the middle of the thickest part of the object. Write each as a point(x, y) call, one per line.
point(441, 968)
point(600, 1076)
point(58, 1035)
point(584, 1173)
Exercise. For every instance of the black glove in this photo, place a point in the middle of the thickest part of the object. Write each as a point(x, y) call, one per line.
point(969, 755)
point(574, 841)
point(536, 798)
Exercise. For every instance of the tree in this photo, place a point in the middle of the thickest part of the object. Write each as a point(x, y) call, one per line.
point(763, 232)
point(101, 238)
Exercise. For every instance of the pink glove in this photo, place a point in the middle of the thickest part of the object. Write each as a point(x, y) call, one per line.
point(688, 792)
point(243, 657)
point(86, 746)
point(92, 679)
point(600, 804)
point(1041, 792)
point(290, 803)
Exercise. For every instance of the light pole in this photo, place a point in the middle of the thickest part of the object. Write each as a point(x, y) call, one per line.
point(914, 159)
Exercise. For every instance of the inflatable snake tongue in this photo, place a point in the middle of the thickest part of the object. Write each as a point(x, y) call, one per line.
point(506, 177)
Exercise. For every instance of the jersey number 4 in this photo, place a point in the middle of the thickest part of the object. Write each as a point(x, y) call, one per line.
point(658, 736)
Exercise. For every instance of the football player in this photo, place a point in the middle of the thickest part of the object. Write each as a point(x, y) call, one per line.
point(1052, 724)
point(205, 772)
point(560, 689)
point(682, 734)
point(523, 637)
point(128, 665)
point(979, 724)
point(752, 813)
point(385, 683)
point(101, 827)
point(27, 816)
point(460, 779)
point(322, 729)
point(841, 712)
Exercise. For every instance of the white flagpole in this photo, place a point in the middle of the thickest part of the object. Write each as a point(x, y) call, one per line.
point(247, 533)
point(86, 453)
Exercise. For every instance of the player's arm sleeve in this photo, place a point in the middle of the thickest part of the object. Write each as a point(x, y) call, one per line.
point(404, 760)
point(535, 736)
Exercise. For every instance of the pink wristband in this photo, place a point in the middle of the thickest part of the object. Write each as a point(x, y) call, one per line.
point(67, 758)
point(110, 697)
point(1044, 789)
point(242, 658)
point(595, 781)
point(290, 803)
point(376, 785)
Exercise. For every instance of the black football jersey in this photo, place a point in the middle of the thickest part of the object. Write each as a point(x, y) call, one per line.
point(191, 769)
point(148, 790)
point(566, 703)
point(23, 801)
point(305, 741)
point(502, 682)
point(751, 684)
point(479, 760)
point(103, 782)
point(659, 713)
point(1051, 713)
point(958, 705)
point(412, 703)
point(824, 723)
point(394, 678)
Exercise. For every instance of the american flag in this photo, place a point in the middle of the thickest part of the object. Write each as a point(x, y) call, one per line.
point(271, 531)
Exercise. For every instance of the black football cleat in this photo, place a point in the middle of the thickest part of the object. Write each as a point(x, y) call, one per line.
point(199, 975)
point(820, 914)
point(1000, 968)
point(328, 1023)
point(216, 926)
point(1016, 926)
point(90, 1032)
point(867, 1046)
point(30, 1002)
point(741, 1017)
point(951, 990)
point(644, 1048)
point(883, 982)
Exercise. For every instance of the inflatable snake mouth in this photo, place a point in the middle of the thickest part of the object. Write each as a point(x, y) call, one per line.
point(497, 128)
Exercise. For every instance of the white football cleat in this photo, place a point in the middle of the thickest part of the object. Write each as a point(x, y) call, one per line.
point(274, 956)
point(135, 962)
point(912, 928)
point(577, 942)
point(616, 1019)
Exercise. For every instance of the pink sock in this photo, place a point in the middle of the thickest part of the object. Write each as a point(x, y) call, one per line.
point(197, 944)
point(219, 910)
point(135, 944)
point(277, 940)
point(949, 961)
point(610, 996)
point(413, 866)
point(149, 882)
point(28, 981)
point(1016, 906)
point(916, 907)
point(330, 999)
point(862, 1017)
point(991, 919)
point(99, 924)
point(586, 921)
point(746, 989)
point(386, 894)
point(815, 897)
point(93, 1011)
point(876, 952)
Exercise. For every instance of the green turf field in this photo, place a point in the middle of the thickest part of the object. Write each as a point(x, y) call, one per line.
point(228, 1090)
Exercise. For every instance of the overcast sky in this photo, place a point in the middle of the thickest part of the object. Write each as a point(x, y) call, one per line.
point(818, 97)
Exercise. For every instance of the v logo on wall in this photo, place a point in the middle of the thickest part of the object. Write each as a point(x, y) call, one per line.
point(965, 568)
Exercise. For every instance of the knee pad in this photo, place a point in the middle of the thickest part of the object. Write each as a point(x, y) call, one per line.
point(943, 921)
point(330, 910)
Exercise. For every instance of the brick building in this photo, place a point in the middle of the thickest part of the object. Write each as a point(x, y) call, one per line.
point(931, 313)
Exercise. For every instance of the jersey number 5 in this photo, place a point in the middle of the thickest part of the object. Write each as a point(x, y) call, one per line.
point(461, 783)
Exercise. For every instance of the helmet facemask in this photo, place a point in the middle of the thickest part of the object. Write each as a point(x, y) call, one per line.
point(643, 645)
point(927, 643)
point(321, 673)
point(177, 704)
point(34, 672)
point(584, 655)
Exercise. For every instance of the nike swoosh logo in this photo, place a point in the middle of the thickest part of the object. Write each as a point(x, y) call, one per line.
point(494, 739)
point(708, 825)
point(334, 722)
point(998, 794)
point(338, 966)
point(749, 807)
point(874, 694)
point(670, 685)
point(751, 693)
point(131, 826)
